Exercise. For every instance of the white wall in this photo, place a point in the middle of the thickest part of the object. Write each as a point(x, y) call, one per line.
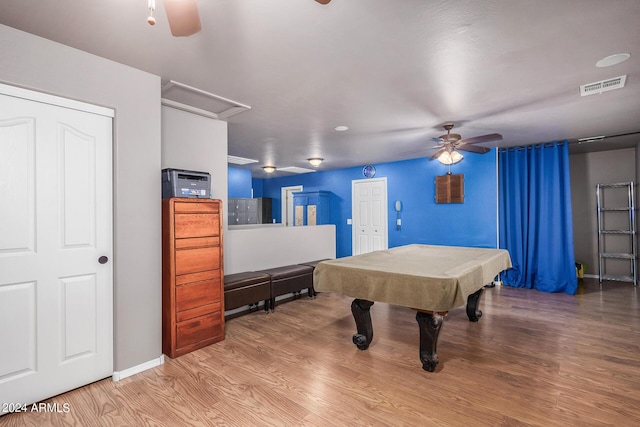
point(250, 249)
point(198, 143)
point(588, 170)
point(40, 64)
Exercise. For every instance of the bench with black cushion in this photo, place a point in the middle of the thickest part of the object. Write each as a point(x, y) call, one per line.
point(247, 288)
point(289, 279)
point(313, 264)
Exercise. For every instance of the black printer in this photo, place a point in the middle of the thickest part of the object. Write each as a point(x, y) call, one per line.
point(185, 183)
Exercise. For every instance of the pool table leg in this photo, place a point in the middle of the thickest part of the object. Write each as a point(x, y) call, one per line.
point(473, 301)
point(360, 309)
point(430, 325)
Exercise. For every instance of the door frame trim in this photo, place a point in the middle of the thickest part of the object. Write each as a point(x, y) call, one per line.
point(283, 204)
point(34, 95)
point(354, 211)
point(58, 101)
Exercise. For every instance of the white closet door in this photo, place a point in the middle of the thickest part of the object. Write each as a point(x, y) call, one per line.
point(56, 297)
point(369, 212)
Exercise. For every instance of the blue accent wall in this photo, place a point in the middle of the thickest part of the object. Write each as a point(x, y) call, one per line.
point(258, 187)
point(472, 223)
point(239, 183)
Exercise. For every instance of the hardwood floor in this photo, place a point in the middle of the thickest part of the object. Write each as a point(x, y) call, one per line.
point(533, 359)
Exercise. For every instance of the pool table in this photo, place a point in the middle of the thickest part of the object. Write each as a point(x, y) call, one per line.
point(431, 279)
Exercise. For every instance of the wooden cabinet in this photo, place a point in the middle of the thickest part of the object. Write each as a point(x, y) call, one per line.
point(450, 188)
point(192, 275)
point(311, 207)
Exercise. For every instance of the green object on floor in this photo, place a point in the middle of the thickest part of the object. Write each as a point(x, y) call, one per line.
point(580, 267)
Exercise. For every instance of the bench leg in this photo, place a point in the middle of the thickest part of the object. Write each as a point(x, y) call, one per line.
point(266, 306)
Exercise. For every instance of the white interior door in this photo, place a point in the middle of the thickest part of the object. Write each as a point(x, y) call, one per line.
point(287, 204)
point(369, 206)
point(56, 297)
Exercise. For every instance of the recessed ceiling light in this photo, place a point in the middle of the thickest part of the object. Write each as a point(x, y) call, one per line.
point(341, 128)
point(612, 60)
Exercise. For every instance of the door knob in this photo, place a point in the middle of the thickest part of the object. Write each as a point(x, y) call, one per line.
point(103, 259)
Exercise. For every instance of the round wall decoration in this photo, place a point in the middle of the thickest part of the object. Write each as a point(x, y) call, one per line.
point(369, 171)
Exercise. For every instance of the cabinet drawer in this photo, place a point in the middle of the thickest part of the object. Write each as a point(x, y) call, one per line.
point(198, 329)
point(195, 242)
point(196, 294)
point(196, 207)
point(199, 259)
point(196, 225)
point(181, 316)
point(197, 277)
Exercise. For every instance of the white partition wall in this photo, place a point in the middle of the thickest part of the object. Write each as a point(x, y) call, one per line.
point(258, 248)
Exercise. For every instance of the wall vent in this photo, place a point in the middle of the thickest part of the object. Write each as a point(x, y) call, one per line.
point(603, 86)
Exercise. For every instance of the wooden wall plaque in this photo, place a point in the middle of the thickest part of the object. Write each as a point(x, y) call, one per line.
point(450, 188)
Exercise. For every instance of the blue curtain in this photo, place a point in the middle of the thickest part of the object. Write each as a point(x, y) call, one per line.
point(536, 226)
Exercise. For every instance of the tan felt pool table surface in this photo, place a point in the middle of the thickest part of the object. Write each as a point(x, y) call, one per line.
point(429, 278)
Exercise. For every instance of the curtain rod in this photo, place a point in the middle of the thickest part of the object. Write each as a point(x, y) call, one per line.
point(603, 137)
point(529, 147)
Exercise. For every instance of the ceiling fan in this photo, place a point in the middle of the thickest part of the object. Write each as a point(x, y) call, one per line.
point(183, 16)
point(450, 143)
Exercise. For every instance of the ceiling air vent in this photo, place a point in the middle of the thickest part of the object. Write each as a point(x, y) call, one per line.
point(240, 160)
point(295, 169)
point(603, 86)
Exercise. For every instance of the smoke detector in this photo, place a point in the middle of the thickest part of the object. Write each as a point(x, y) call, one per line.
point(603, 86)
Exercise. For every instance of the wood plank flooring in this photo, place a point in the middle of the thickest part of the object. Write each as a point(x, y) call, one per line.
point(534, 359)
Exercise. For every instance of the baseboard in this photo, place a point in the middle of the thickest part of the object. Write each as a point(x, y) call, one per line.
point(120, 375)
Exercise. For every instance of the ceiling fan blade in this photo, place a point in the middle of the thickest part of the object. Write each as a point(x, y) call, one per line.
point(323, 1)
point(483, 138)
point(437, 153)
point(183, 17)
point(438, 140)
point(473, 148)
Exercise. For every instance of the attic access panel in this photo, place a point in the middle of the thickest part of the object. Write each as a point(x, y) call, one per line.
point(450, 188)
point(194, 100)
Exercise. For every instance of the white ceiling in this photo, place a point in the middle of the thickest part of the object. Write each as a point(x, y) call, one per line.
point(393, 71)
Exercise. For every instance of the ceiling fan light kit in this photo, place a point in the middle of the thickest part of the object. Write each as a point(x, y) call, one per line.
point(450, 158)
point(450, 144)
